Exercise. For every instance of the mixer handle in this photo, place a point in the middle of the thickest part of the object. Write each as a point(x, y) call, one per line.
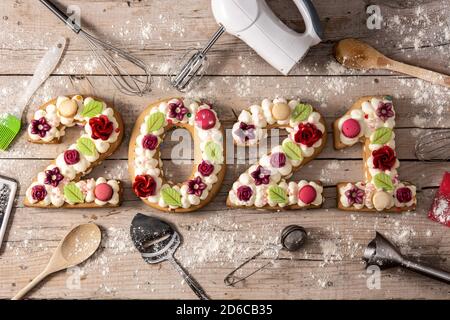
point(61, 15)
point(310, 16)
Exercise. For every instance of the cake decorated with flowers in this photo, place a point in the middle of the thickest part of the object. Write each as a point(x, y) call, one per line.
point(59, 185)
point(265, 184)
point(145, 164)
point(371, 121)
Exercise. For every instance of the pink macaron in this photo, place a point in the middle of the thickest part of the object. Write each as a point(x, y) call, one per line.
point(205, 119)
point(307, 194)
point(103, 192)
point(351, 128)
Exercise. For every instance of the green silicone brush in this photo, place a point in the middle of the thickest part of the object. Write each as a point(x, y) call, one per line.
point(10, 123)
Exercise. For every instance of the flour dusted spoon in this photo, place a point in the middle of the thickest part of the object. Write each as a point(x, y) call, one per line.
point(76, 247)
point(355, 54)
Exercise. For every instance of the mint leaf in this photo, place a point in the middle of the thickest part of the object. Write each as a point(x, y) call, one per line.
point(171, 196)
point(381, 136)
point(277, 194)
point(73, 193)
point(301, 112)
point(86, 146)
point(155, 121)
point(213, 152)
point(92, 109)
point(383, 181)
point(292, 150)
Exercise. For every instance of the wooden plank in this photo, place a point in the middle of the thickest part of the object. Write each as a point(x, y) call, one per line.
point(218, 238)
point(328, 267)
point(405, 139)
point(417, 104)
point(159, 32)
point(330, 172)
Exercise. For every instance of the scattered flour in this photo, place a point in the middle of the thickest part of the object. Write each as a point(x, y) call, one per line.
point(218, 239)
point(333, 67)
point(442, 210)
point(330, 251)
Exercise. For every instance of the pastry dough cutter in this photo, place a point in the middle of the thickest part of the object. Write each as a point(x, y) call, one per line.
point(257, 25)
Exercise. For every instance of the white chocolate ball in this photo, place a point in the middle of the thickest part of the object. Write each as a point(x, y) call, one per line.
point(281, 111)
point(68, 108)
point(381, 200)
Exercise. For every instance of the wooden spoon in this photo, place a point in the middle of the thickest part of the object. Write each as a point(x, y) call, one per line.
point(77, 246)
point(356, 54)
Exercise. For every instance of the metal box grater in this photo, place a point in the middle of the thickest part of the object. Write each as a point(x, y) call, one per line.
point(8, 189)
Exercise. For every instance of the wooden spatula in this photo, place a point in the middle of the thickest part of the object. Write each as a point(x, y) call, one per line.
point(77, 246)
point(355, 54)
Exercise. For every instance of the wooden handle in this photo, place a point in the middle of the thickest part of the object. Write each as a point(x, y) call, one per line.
point(427, 75)
point(30, 286)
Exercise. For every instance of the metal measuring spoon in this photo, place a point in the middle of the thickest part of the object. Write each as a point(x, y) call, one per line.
point(292, 238)
point(157, 241)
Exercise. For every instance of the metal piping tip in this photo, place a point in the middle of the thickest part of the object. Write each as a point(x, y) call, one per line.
point(381, 252)
point(369, 252)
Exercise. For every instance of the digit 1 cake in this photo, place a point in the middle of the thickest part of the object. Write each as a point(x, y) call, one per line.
point(371, 121)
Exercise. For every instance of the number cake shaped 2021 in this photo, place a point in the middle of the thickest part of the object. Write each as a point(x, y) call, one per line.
point(264, 184)
point(145, 165)
point(59, 185)
point(371, 120)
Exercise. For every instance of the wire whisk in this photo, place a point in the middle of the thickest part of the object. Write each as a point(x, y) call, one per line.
point(434, 146)
point(108, 55)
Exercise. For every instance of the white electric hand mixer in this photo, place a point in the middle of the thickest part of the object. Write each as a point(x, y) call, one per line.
point(255, 23)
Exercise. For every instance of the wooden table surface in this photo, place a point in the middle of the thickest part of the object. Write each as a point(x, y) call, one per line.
point(216, 239)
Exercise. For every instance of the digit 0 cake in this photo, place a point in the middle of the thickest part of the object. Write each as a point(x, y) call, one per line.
point(145, 164)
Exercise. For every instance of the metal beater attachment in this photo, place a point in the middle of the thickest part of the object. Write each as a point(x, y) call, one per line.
point(292, 238)
point(108, 57)
point(196, 64)
point(434, 145)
